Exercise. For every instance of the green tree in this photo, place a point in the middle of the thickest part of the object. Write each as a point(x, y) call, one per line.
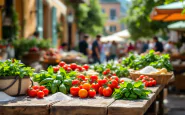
point(138, 19)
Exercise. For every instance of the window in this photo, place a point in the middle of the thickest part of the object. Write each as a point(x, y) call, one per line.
point(103, 10)
point(112, 28)
point(113, 14)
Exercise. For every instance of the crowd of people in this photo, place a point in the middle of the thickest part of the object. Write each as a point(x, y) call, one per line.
point(101, 52)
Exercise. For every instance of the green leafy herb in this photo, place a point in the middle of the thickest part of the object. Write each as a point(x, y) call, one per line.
point(131, 91)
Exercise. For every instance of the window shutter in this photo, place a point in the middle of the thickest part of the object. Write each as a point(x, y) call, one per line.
point(54, 27)
point(39, 27)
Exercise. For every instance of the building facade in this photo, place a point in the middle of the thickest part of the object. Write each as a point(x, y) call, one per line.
point(112, 8)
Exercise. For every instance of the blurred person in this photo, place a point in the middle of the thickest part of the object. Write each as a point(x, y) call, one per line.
point(139, 46)
point(113, 50)
point(35, 35)
point(96, 50)
point(130, 47)
point(158, 46)
point(63, 47)
point(168, 47)
point(107, 50)
point(102, 52)
point(145, 46)
point(151, 45)
point(83, 45)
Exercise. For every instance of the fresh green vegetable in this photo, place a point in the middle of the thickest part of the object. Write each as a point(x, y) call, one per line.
point(54, 88)
point(57, 82)
point(68, 82)
point(14, 68)
point(63, 89)
point(141, 61)
point(131, 91)
point(59, 77)
point(45, 81)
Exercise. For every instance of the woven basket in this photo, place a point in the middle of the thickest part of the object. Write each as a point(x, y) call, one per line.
point(14, 85)
point(160, 79)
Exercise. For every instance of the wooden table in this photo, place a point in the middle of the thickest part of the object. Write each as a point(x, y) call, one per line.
point(76, 106)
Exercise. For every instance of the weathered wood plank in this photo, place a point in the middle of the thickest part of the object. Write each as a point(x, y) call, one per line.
point(25, 106)
point(96, 106)
point(135, 107)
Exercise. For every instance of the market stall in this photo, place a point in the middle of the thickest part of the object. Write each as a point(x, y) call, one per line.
point(129, 87)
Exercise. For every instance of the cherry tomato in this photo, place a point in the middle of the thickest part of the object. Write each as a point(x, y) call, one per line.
point(92, 93)
point(93, 78)
point(55, 69)
point(35, 87)
point(82, 93)
point(68, 69)
point(61, 64)
point(104, 73)
point(101, 82)
point(32, 92)
point(150, 84)
point(146, 84)
point(86, 67)
point(65, 66)
point(79, 67)
point(86, 86)
point(81, 77)
point(100, 90)
point(107, 70)
point(122, 80)
point(73, 66)
point(42, 87)
point(75, 82)
point(107, 92)
point(40, 94)
point(113, 84)
point(46, 91)
point(115, 77)
point(143, 80)
point(95, 86)
point(80, 86)
point(118, 87)
point(74, 90)
point(141, 76)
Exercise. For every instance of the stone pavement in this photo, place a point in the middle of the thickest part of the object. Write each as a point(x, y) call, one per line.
point(175, 104)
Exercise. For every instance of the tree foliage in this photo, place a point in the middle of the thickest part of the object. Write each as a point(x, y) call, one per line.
point(138, 19)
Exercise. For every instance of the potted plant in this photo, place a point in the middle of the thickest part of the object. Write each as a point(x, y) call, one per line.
point(14, 77)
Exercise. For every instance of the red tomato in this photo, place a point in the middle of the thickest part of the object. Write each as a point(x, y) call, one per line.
point(35, 87)
point(86, 67)
point(75, 82)
point(118, 87)
point(55, 69)
point(68, 69)
point(100, 90)
point(65, 66)
point(86, 86)
point(92, 93)
point(73, 66)
point(107, 92)
point(95, 86)
point(79, 67)
point(104, 73)
point(42, 87)
point(115, 77)
point(40, 94)
point(146, 84)
point(154, 82)
point(81, 77)
point(101, 82)
point(46, 91)
point(32, 92)
point(150, 84)
point(113, 84)
point(61, 64)
point(80, 86)
point(141, 76)
point(93, 78)
point(151, 79)
point(83, 69)
point(143, 80)
point(74, 90)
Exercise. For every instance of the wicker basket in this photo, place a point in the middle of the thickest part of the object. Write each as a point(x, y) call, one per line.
point(160, 79)
point(14, 85)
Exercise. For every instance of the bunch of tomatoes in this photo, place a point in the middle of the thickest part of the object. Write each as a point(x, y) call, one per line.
point(37, 91)
point(85, 87)
point(148, 81)
point(70, 67)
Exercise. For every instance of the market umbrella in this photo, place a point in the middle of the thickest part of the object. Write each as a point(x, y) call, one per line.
point(177, 26)
point(169, 12)
point(123, 34)
point(112, 38)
